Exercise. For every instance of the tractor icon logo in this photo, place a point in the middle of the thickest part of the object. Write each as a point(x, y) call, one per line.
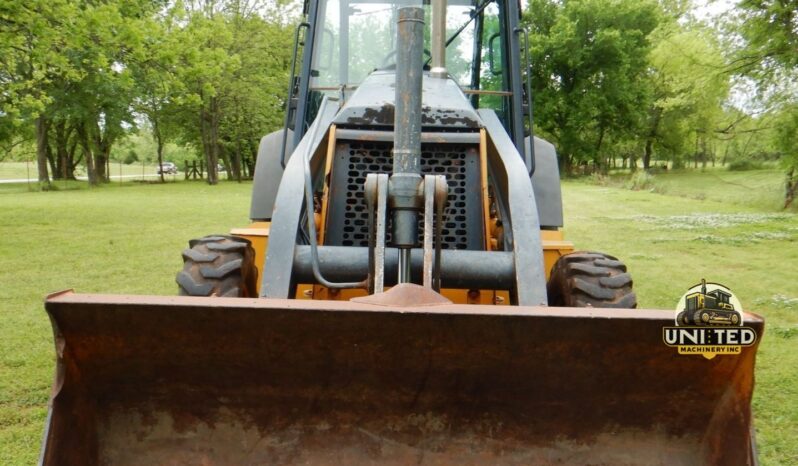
point(709, 304)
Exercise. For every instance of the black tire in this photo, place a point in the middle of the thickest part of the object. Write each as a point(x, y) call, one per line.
point(683, 318)
point(218, 265)
point(590, 279)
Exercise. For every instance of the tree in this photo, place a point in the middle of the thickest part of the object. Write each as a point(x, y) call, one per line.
point(253, 99)
point(786, 141)
point(589, 67)
point(233, 65)
point(158, 89)
point(689, 86)
point(769, 29)
point(32, 40)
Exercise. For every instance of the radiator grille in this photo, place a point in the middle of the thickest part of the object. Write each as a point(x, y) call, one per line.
point(347, 221)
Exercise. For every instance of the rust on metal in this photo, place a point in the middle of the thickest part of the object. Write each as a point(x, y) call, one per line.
point(405, 295)
point(185, 380)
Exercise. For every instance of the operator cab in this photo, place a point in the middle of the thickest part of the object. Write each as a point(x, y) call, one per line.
point(354, 38)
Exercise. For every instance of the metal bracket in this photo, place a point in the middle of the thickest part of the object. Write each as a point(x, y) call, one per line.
point(376, 193)
point(436, 191)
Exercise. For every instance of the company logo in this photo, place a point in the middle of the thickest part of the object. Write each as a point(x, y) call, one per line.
point(709, 322)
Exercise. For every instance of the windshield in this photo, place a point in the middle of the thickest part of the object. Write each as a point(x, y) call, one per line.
point(359, 36)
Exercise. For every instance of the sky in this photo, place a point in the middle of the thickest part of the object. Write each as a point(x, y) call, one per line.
point(711, 9)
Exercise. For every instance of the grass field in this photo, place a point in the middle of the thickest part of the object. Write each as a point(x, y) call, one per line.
point(22, 170)
point(761, 189)
point(127, 239)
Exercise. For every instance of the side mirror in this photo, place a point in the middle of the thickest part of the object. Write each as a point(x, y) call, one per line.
point(495, 54)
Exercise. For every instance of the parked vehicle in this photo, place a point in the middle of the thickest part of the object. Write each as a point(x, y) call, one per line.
point(167, 168)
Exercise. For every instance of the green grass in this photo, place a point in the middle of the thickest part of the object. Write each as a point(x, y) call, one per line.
point(22, 171)
point(114, 240)
point(127, 239)
point(762, 189)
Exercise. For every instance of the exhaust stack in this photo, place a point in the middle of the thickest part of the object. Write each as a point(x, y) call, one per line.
point(438, 69)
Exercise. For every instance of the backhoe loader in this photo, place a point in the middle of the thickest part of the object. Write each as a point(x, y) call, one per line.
point(404, 293)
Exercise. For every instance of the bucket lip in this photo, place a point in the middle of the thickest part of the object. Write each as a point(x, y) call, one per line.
point(70, 297)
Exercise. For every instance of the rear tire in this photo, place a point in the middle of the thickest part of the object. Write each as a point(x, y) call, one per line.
point(590, 279)
point(218, 265)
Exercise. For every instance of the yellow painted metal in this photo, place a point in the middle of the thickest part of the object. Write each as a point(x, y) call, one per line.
point(554, 246)
point(258, 234)
point(322, 224)
point(483, 171)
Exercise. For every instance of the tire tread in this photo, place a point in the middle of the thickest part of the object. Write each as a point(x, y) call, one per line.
point(591, 279)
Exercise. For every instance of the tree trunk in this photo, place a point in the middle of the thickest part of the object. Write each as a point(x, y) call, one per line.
point(791, 188)
point(652, 135)
point(567, 164)
point(210, 143)
point(101, 166)
point(159, 141)
point(61, 157)
point(41, 152)
point(237, 161)
point(51, 160)
point(103, 141)
point(83, 137)
point(647, 154)
point(725, 154)
point(72, 162)
point(599, 160)
point(214, 127)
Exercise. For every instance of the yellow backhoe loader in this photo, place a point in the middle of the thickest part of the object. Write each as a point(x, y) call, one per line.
point(404, 294)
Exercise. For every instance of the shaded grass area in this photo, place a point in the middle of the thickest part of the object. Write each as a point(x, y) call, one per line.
point(128, 238)
point(21, 170)
point(761, 189)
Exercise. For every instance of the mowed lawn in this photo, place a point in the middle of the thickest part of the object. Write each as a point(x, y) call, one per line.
point(128, 238)
point(24, 170)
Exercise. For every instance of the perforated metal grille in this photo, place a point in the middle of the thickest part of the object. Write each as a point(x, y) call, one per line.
point(347, 221)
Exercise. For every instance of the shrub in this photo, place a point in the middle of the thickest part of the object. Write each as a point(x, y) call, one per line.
point(640, 180)
point(131, 157)
point(745, 164)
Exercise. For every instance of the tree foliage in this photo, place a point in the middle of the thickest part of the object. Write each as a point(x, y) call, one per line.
point(589, 68)
point(81, 74)
point(769, 56)
point(688, 86)
point(612, 79)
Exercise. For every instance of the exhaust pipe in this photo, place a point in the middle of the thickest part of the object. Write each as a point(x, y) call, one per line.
point(438, 69)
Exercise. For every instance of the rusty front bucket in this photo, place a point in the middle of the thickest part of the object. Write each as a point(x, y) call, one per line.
point(224, 381)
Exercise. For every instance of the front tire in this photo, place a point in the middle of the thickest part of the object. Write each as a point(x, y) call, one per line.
point(218, 265)
point(590, 279)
